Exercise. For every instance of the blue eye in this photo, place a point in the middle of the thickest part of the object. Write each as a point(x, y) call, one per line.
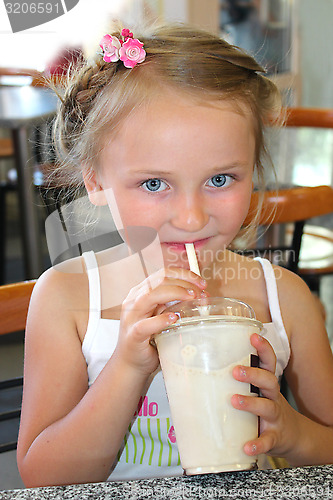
point(219, 180)
point(154, 185)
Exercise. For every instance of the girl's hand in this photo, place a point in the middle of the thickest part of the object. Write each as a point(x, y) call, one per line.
point(142, 314)
point(278, 420)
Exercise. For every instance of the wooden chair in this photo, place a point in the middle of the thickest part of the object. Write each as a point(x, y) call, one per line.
point(316, 258)
point(291, 242)
point(308, 117)
point(14, 302)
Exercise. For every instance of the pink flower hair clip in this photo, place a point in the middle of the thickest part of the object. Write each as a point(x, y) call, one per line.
point(129, 50)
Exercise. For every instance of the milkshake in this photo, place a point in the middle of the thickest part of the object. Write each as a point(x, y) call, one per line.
point(197, 356)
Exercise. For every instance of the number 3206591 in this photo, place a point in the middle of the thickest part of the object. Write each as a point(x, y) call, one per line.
point(32, 8)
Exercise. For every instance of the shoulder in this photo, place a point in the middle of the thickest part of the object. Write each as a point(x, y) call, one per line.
point(291, 286)
point(300, 308)
point(62, 282)
point(311, 363)
point(60, 296)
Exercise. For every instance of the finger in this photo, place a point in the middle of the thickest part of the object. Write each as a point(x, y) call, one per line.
point(262, 407)
point(142, 330)
point(185, 284)
point(151, 283)
point(265, 352)
point(186, 275)
point(197, 295)
point(259, 377)
point(263, 444)
point(145, 304)
point(175, 273)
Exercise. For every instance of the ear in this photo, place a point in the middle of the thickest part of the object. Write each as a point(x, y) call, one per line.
point(94, 189)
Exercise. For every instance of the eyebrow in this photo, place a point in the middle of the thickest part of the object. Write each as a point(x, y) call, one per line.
point(225, 168)
point(217, 169)
point(155, 173)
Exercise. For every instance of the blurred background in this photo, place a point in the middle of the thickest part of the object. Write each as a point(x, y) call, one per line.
point(290, 37)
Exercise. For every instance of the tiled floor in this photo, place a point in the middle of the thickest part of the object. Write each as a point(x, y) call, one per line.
point(11, 350)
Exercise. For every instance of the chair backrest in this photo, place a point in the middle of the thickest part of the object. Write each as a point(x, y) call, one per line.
point(14, 303)
point(294, 207)
point(308, 117)
point(292, 204)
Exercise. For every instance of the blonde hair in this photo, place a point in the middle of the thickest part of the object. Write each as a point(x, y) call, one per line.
point(100, 95)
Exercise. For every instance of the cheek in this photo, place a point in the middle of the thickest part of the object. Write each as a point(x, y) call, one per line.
point(232, 211)
point(136, 213)
point(244, 205)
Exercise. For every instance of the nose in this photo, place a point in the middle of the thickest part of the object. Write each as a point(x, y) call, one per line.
point(189, 213)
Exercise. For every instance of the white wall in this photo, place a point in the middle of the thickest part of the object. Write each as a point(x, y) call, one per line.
point(316, 52)
point(198, 12)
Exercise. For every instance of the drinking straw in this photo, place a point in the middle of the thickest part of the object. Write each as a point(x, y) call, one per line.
point(192, 258)
point(194, 267)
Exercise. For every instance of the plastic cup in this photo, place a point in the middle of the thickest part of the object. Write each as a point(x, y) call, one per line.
point(197, 356)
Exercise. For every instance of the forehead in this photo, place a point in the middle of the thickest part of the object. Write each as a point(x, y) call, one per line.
point(172, 103)
point(172, 128)
point(177, 111)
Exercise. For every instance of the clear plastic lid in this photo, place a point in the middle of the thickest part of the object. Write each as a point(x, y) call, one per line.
point(212, 306)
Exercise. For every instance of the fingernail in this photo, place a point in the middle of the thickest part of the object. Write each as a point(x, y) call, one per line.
point(172, 316)
point(253, 448)
point(260, 337)
point(203, 294)
point(203, 282)
point(242, 372)
point(240, 400)
point(191, 292)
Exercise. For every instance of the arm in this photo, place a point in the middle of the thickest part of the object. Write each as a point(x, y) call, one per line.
point(69, 433)
point(307, 437)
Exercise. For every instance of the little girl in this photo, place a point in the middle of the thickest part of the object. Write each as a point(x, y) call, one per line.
point(167, 129)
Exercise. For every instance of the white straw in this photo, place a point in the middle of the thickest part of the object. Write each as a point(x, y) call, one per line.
point(194, 267)
point(192, 258)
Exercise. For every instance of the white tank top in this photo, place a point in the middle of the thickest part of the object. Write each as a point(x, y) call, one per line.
point(149, 448)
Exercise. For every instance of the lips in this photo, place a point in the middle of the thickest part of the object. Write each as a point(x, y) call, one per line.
point(180, 245)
